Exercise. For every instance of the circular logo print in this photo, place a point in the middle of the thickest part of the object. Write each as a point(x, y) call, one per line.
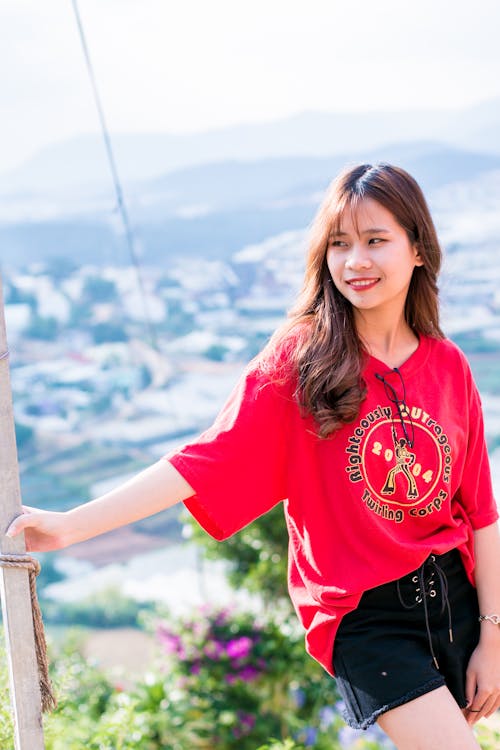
point(395, 472)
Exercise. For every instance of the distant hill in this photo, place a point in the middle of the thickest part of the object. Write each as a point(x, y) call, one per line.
point(81, 161)
point(215, 209)
point(284, 181)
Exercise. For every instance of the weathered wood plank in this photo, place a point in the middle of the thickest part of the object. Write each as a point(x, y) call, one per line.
point(14, 582)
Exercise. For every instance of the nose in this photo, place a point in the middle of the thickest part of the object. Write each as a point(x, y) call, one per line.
point(358, 258)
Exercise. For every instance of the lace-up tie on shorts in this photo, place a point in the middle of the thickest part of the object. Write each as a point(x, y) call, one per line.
point(426, 589)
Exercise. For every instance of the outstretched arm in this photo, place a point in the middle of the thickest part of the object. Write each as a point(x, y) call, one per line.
point(158, 487)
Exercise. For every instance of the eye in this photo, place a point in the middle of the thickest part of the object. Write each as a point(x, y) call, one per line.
point(337, 243)
point(376, 239)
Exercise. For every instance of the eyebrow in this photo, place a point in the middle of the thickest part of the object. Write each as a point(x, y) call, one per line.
point(372, 230)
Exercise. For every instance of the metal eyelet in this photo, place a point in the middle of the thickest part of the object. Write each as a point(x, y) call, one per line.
point(415, 579)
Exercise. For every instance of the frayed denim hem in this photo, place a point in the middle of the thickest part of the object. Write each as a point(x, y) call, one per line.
point(366, 723)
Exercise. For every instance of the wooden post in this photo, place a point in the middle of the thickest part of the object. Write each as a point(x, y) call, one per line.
point(14, 582)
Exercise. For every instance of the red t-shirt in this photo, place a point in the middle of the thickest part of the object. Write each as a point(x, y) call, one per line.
point(368, 504)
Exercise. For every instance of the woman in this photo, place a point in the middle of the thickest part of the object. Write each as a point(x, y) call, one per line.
point(365, 421)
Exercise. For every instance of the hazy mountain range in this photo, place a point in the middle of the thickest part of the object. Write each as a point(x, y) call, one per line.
point(81, 160)
point(212, 193)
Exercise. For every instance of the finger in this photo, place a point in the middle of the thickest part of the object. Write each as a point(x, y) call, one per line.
point(470, 687)
point(473, 711)
point(471, 716)
point(479, 704)
point(19, 524)
point(494, 708)
point(487, 705)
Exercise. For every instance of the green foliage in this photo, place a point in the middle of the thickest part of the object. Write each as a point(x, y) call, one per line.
point(257, 555)
point(241, 679)
point(108, 608)
point(171, 707)
point(49, 573)
point(6, 728)
point(488, 738)
point(86, 706)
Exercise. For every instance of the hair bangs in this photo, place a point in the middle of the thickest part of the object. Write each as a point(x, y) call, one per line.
point(349, 201)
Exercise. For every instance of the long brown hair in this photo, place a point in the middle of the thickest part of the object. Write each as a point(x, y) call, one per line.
point(326, 354)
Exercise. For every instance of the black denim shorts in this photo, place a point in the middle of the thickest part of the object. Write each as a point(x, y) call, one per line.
point(395, 646)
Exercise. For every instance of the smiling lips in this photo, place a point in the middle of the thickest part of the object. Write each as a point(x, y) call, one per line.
point(361, 285)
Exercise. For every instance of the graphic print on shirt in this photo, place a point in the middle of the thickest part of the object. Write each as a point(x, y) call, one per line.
point(404, 459)
point(398, 479)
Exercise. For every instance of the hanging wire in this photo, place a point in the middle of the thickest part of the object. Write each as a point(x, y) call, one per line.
point(122, 208)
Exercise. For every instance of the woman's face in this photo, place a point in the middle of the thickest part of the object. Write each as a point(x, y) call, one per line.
point(373, 265)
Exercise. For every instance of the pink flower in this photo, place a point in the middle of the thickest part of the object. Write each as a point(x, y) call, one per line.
point(248, 673)
point(239, 648)
point(222, 616)
point(248, 720)
point(171, 643)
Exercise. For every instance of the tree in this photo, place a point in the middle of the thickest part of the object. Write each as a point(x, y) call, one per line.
point(257, 555)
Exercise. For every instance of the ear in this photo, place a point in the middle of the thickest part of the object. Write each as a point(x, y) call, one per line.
point(419, 261)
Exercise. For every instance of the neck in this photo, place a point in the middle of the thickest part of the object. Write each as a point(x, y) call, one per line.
point(388, 340)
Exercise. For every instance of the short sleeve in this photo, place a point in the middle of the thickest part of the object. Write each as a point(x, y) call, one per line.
point(475, 493)
point(238, 466)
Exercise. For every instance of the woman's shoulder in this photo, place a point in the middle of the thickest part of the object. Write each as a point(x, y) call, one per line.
point(278, 358)
point(276, 363)
point(442, 346)
point(449, 355)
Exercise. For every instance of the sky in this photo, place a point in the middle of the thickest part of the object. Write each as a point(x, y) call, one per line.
point(194, 65)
